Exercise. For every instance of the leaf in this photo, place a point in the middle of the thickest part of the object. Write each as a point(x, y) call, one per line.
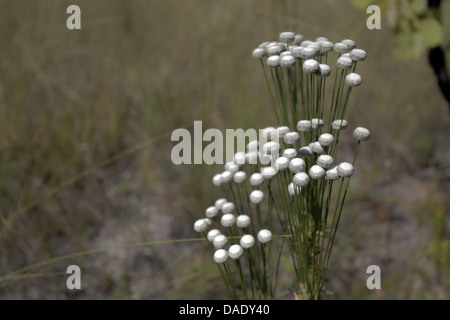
point(431, 31)
point(419, 6)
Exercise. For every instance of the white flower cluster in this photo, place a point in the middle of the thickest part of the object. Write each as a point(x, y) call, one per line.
point(223, 241)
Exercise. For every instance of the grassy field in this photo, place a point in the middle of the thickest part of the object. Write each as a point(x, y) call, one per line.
point(85, 124)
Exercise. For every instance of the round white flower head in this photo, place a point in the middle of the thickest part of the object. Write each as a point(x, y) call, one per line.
point(345, 169)
point(358, 55)
point(269, 133)
point(212, 234)
point(290, 153)
point(217, 180)
point(233, 168)
point(239, 158)
point(264, 158)
point(340, 47)
point(310, 66)
point(264, 236)
point(287, 61)
point(256, 179)
point(271, 147)
point(220, 202)
point(253, 145)
point(282, 163)
point(287, 37)
point(325, 161)
point(298, 39)
point(317, 122)
point(200, 225)
point(316, 172)
point(309, 52)
point(285, 53)
point(316, 147)
point(268, 172)
point(282, 131)
point(220, 241)
point(297, 52)
point(350, 43)
point(324, 70)
point(211, 212)
point(247, 241)
point(320, 39)
point(304, 125)
point(243, 221)
point(291, 137)
point(273, 61)
point(305, 152)
point(306, 43)
point(362, 134)
point(326, 139)
point(258, 53)
point(228, 220)
point(220, 256)
point(256, 196)
point(264, 44)
point(208, 221)
point(344, 63)
point(240, 177)
point(227, 176)
point(228, 164)
point(353, 80)
point(293, 189)
point(251, 157)
point(300, 179)
point(275, 50)
point(339, 124)
point(332, 174)
point(297, 165)
point(228, 207)
point(326, 46)
point(235, 251)
point(314, 45)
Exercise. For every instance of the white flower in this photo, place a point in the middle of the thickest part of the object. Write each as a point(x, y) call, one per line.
point(217, 180)
point(324, 70)
point(273, 61)
point(287, 61)
point(326, 140)
point(325, 161)
point(274, 50)
point(339, 124)
point(220, 202)
point(309, 52)
point(227, 176)
point(253, 145)
point(200, 225)
point(268, 173)
point(235, 251)
point(256, 196)
point(304, 125)
point(332, 174)
point(264, 236)
point(344, 63)
point(297, 52)
point(271, 147)
point(298, 39)
point(353, 80)
point(316, 147)
point(269, 133)
point(228, 220)
point(300, 179)
point(291, 137)
point(293, 189)
point(243, 221)
point(340, 47)
point(258, 53)
point(212, 234)
point(325, 46)
point(240, 177)
point(297, 165)
point(310, 66)
point(290, 153)
point(287, 37)
point(350, 43)
point(228, 207)
point(233, 168)
point(220, 241)
point(211, 212)
point(282, 131)
point(317, 122)
point(358, 55)
point(345, 169)
point(305, 152)
point(316, 172)
point(220, 256)
point(282, 163)
point(256, 179)
point(239, 158)
point(362, 134)
point(247, 241)
point(251, 157)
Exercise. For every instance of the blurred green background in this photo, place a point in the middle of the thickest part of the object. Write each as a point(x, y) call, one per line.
point(85, 124)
